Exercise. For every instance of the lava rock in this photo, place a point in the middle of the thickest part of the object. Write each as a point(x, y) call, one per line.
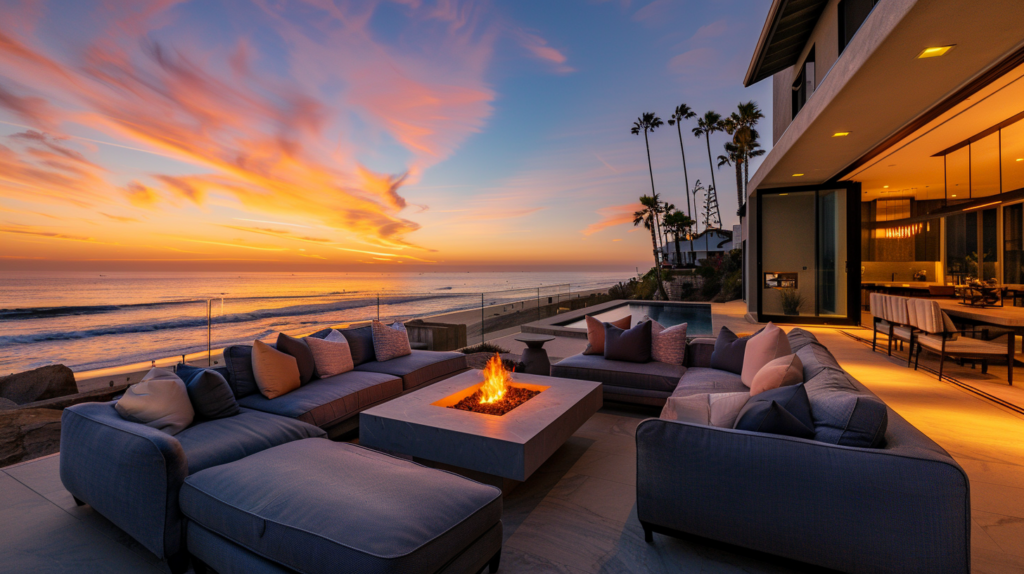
point(28, 433)
point(38, 384)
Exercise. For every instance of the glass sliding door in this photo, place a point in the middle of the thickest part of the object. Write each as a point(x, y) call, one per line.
point(804, 249)
point(1013, 244)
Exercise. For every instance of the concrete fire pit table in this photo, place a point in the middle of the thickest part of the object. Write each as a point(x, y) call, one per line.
point(494, 449)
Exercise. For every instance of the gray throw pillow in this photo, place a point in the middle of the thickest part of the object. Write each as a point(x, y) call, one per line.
point(208, 391)
point(303, 356)
point(632, 345)
point(360, 342)
point(728, 353)
point(238, 360)
point(159, 400)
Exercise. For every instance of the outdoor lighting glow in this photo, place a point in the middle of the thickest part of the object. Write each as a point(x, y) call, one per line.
point(840, 134)
point(935, 51)
point(886, 186)
point(1020, 159)
point(798, 175)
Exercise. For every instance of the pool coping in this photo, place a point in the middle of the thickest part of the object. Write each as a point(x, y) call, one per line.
point(548, 326)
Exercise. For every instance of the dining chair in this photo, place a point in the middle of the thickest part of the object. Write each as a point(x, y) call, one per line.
point(936, 333)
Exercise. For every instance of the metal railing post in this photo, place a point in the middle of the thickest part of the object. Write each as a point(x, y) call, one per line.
point(378, 306)
point(209, 332)
point(482, 339)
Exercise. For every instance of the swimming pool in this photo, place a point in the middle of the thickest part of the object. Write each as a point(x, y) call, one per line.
point(696, 315)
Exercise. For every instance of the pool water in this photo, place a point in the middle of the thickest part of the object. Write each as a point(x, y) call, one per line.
point(697, 316)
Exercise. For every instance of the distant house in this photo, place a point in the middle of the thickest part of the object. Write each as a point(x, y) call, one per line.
point(697, 249)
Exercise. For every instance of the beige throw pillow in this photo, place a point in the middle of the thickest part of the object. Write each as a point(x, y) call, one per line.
point(331, 355)
point(781, 372)
point(159, 400)
point(725, 407)
point(763, 348)
point(276, 373)
point(595, 333)
point(389, 342)
point(668, 344)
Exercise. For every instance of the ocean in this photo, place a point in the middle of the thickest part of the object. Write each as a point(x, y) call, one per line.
point(90, 321)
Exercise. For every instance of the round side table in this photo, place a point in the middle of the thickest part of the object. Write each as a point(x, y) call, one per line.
point(535, 358)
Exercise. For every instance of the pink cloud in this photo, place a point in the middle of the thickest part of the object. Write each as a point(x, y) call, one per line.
point(539, 48)
point(612, 216)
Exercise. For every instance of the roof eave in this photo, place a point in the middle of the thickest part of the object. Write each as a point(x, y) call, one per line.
point(762, 43)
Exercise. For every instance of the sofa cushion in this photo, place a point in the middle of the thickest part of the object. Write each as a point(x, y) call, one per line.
point(225, 440)
point(815, 358)
point(784, 411)
point(781, 372)
point(303, 356)
point(159, 400)
point(799, 338)
point(595, 333)
point(844, 413)
point(350, 507)
point(389, 342)
point(419, 367)
point(728, 353)
point(324, 402)
point(699, 380)
point(668, 344)
point(360, 342)
point(238, 361)
point(276, 373)
point(762, 348)
point(652, 376)
point(332, 354)
point(632, 345)
point(208, 391)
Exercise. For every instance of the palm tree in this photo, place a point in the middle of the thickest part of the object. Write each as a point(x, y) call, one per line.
point(683, 112)
point(666, 209)
point(742, 123)
point(679, 223)
point(753, 150)
point(710, 123)
point(648, 122)
point(648, 216)
point(735, 158)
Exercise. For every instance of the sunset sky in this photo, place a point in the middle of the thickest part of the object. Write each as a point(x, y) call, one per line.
point(323, 135)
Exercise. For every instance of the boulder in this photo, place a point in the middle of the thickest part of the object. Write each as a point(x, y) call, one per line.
point(28, 433)
point(7, 404)
point(38, 384)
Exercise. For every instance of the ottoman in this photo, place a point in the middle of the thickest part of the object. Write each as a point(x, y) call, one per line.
point(315, 506)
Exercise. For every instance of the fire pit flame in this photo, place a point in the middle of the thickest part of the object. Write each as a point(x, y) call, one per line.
point(496, 380)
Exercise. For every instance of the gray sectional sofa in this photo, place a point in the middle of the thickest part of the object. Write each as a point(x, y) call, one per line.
point(132, 474)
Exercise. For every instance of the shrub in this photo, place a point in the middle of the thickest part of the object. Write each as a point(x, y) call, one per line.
point(484, 348)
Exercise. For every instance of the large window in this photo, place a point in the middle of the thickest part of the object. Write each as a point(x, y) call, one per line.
point(852, 14)
point(1013, 244)
point(965, 233)
point(803, 87)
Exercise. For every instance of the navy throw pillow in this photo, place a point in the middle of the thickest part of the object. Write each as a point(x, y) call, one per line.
point(303, 356)
point(238, 360)
point(632, 345)
point(784, 411)
point(728, 353)
point(208, 391)
point(360, 342)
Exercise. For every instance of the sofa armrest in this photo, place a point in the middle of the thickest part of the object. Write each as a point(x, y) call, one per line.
point(851, 509)
point(698, 352)
point(128, 472)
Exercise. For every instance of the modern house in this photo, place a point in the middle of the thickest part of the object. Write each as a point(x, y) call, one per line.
point(898, 152)
point(697, 249)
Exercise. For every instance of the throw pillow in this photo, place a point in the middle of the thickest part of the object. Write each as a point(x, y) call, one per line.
point(331, 354)
point(303, 356)
point(238, 360)
point(208, 391)
point(668, 344)
point(764, 347)
point(159, 400)
point(728, 353)
point(725, 408)
point(388, 342)
point(632, 345)
point(276, 373)
point(692, 409)
point(781, 372)
point(595, 333)
point(360, 342)
point(784, 411)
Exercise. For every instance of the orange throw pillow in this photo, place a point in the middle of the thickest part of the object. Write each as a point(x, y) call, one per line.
point(595, 333)
point(781, 372)
point(276, 373)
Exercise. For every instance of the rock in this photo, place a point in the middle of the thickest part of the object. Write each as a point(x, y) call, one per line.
point(38, 384)
point(28, 433)
point(7, 404)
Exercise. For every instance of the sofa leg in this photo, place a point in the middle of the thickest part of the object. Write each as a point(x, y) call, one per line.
point(648, 533)
point(178, 563)
point(492, 566)
point(78, 501)
point(199, 566)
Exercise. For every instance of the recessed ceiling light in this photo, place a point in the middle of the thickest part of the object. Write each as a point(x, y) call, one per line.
point(840, 134)
point(886, 186)
point(935, 51)
point(954, 195)
point(1020, 159)
point(798, 175)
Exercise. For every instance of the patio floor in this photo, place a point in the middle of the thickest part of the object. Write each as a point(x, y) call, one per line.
point(578, 513)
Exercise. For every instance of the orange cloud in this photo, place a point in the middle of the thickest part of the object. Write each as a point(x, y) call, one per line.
point(612, 216)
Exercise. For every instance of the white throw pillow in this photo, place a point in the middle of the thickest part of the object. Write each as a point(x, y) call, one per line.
point(159, 400)
point(331, 355)
point(389, 342)
point(276, 373)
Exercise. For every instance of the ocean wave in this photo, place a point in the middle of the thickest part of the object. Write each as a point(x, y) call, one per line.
point(196, 322)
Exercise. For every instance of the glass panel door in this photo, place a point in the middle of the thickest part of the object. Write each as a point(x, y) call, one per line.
point(1013, 244)
point(831, 258)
